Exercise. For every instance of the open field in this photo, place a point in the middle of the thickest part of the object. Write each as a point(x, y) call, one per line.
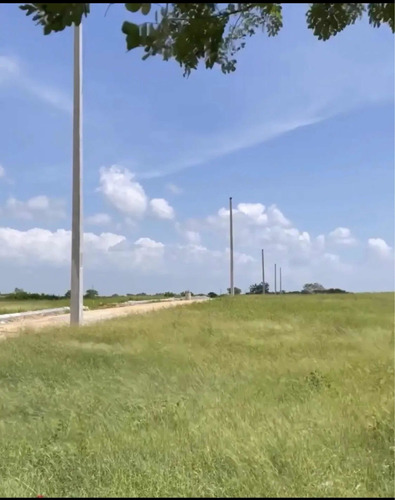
point(14, 306)
point(244, 396)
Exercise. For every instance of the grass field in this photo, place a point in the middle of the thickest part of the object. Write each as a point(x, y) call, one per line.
point(245, 396)
point(14, 306)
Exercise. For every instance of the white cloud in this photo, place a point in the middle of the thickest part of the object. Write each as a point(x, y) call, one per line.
point(320, 241)
point(98, 219)
point(2, 171)
point(342, 236)
point(122, 191)
point(161, 208)
point(257, 227)
point(193, 237)
point(144, 255)
point(12, 71)
point(254, 211)
point(172, 188)
point(147, 255)
point(148, 243)
point(276, 217)
point(35, 208)
point(51, 247)
point(9, 68)
point(379, 247)
point(176, 266)
point(125, 194)
point(52, 96)
point(254, 214)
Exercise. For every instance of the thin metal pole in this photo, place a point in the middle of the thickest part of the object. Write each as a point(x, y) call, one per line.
point(281, 287)
point(232, 290)
point(275, 278)
point(76, 304)
point(263, 272)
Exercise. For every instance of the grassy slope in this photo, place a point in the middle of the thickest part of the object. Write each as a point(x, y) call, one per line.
point(14, 306)
point(254, 396)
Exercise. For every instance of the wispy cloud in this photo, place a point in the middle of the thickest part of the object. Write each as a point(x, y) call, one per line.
point(322, 81)
point(12, 71)
point(235, 141)
point(173, 188)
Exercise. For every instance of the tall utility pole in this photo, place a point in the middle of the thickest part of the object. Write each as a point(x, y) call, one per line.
point(76, 304)
point(232, 289)
point(263, 272)
point(275, 279)
point(281, 288)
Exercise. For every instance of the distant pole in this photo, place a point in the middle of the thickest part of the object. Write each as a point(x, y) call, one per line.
point(275, 278)
point(263, 272)
point(76, 228)
point(232, 290)
point(280, 282)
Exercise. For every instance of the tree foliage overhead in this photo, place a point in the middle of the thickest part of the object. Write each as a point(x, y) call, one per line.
point(212, 33)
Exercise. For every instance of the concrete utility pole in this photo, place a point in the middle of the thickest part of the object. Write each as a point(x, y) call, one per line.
point(281, 288)
point(76, 298)
point(275, 279)
point(232, 289)
point(263, 272)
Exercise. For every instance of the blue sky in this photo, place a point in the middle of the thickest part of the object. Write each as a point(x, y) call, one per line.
point(301, 136)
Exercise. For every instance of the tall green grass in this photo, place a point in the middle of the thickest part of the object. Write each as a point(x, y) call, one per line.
point(245, 396)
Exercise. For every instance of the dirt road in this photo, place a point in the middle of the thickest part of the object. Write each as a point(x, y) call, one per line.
point(10, 329)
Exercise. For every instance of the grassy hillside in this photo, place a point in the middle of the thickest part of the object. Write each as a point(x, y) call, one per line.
point(245, 396)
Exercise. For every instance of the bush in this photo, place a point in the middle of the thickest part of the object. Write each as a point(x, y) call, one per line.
point(22, 295)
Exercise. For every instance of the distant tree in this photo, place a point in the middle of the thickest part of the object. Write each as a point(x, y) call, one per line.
point(313, 288)
point(19, 290)
point(212, 295)
point(169, 295)
point(257, 288)
point(67, 295)
point(91, 294)
point(236, 290)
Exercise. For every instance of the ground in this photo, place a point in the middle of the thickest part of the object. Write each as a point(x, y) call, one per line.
point(8, 306)
point(244, 396)
point(37, 322)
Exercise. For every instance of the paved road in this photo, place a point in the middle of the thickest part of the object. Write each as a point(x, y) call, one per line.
point(12, 328)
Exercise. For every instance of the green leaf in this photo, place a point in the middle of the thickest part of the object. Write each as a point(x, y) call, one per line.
point(133, 7)
point(145, 8)
point(132, 33)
